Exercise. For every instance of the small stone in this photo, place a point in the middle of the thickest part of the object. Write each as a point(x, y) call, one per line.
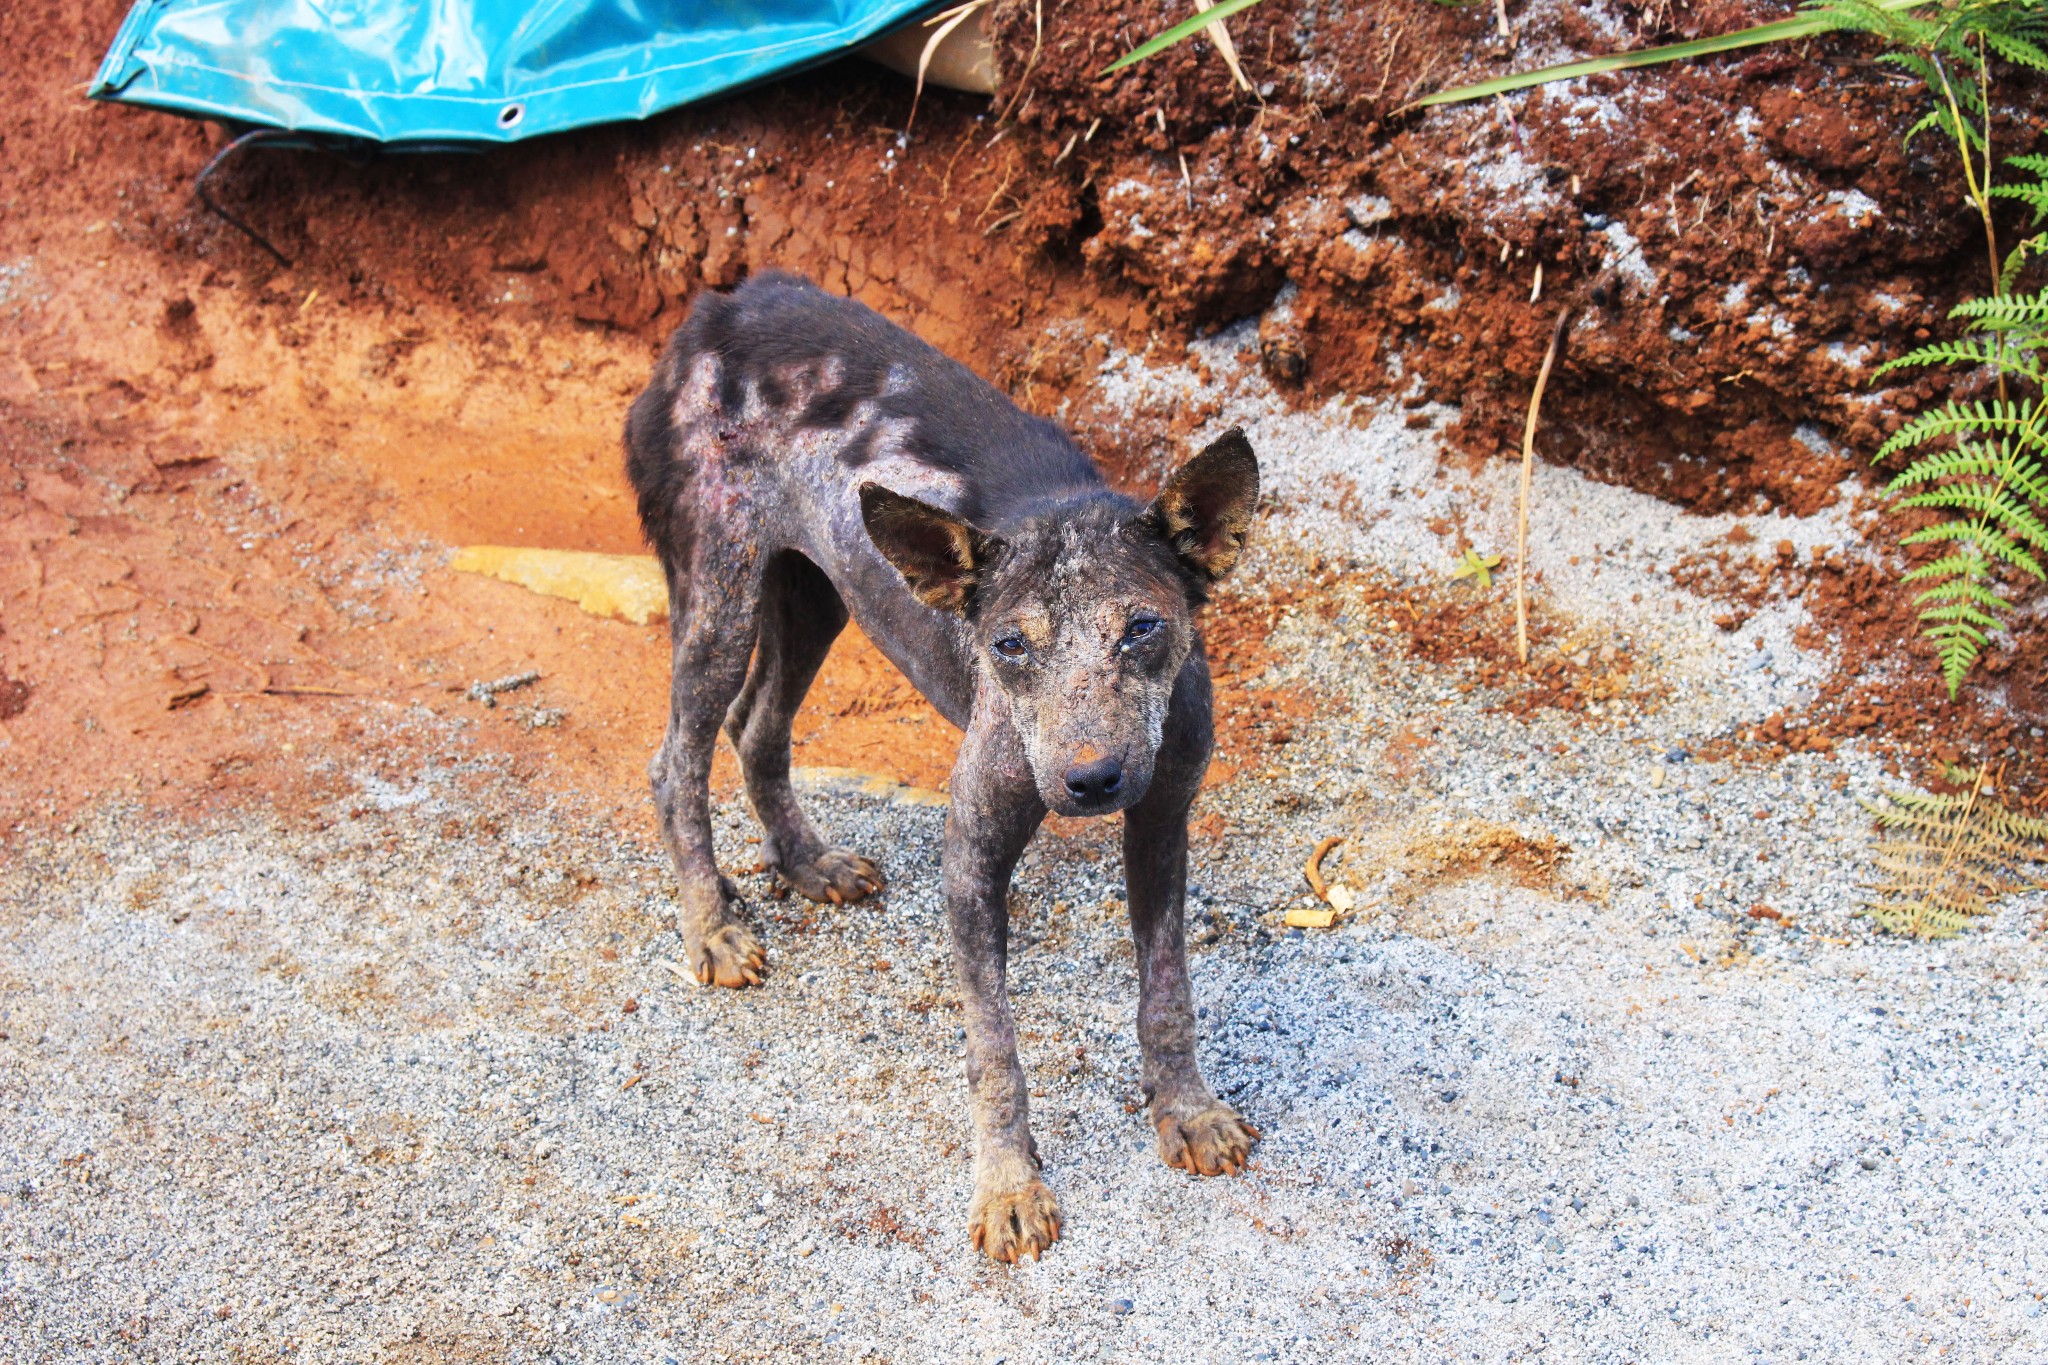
point(1553, 1244)
point(545, 1148)
point(1657, 777)
point(1121, 1306)
point(1868, 1163)
point(1282, 352)
point(1508, 1296)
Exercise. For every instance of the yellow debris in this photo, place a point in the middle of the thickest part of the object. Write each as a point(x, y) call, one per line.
point(629, 587)
point(1311, 919)
point(856, 781)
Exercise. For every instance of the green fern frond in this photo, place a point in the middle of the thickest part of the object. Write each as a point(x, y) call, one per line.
point(2018, 50)
point(1993, 533)
point(1913, 64)
point(2008, 517)
point(1935, 120)
point(2023, 475)
point(1948, 566)
point(2010, 312)
point(1964, 462)
point(1957, 648)
point(2033, 196)
point(1955, 418)
point(1963, 598)
point(1968, 351)
point(1898, 27)
point(2016, 260)
point(1963, 621)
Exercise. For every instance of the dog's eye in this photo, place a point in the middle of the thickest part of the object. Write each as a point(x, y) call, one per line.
point(1012, 647)
point(1141, 629)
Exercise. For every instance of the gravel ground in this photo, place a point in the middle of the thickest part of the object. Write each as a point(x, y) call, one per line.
point(422, 1081)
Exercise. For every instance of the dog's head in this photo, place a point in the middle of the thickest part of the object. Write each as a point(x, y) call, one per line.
point(1082, 615)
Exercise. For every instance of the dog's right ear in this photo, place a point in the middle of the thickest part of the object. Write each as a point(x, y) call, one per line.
point(939, 555)
point(1205, 510)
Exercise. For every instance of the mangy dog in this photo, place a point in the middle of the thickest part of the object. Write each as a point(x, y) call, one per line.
point(798, 458)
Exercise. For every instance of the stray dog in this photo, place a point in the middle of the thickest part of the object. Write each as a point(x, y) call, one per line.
point(798, 459)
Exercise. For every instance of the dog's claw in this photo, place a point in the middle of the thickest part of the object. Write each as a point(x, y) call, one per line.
point(1012, 1224)
point(836, 875)
point(730, 956)
point(1212, 1141)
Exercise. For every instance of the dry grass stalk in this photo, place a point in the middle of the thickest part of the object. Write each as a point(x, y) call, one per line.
point(1219, 35)
point(1522, 503)
point(943, 24)
point(1949, 859)
point(1037, 44)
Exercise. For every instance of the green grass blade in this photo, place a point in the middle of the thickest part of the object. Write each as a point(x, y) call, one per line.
point(1780, 31)
point(1186, 28)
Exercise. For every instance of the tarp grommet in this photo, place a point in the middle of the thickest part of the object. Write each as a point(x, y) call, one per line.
point(510, 115)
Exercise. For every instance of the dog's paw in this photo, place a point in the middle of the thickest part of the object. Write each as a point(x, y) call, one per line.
point(1011, 1224)
point(1213, 1140)
point(728, 956)
point(837, 875)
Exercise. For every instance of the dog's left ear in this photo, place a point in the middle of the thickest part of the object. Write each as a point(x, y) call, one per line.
point(1205, 510)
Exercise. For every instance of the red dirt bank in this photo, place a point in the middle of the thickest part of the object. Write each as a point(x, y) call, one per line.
point(448, 358)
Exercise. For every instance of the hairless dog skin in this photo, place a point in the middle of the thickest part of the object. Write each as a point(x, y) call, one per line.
point(799, 459)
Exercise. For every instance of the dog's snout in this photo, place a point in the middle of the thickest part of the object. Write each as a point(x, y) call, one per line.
point(1093, 783)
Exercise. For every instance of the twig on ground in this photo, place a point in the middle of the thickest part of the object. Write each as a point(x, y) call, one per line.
point(487, 692)
point(1522, 503)
point(1314, 870)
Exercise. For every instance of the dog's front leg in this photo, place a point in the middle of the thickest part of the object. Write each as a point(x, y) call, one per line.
point(995, 808)
point(1197, 1132)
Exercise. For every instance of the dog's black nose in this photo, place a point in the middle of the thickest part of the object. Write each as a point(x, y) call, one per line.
point(1093, 783)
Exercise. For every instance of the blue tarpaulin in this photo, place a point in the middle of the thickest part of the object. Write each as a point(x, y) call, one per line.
point(465, 71)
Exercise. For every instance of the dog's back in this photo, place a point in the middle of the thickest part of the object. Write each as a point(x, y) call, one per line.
point(780, 361)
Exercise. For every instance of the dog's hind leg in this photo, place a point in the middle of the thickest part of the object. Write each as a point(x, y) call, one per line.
point(715, 610)
point(801, 614)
